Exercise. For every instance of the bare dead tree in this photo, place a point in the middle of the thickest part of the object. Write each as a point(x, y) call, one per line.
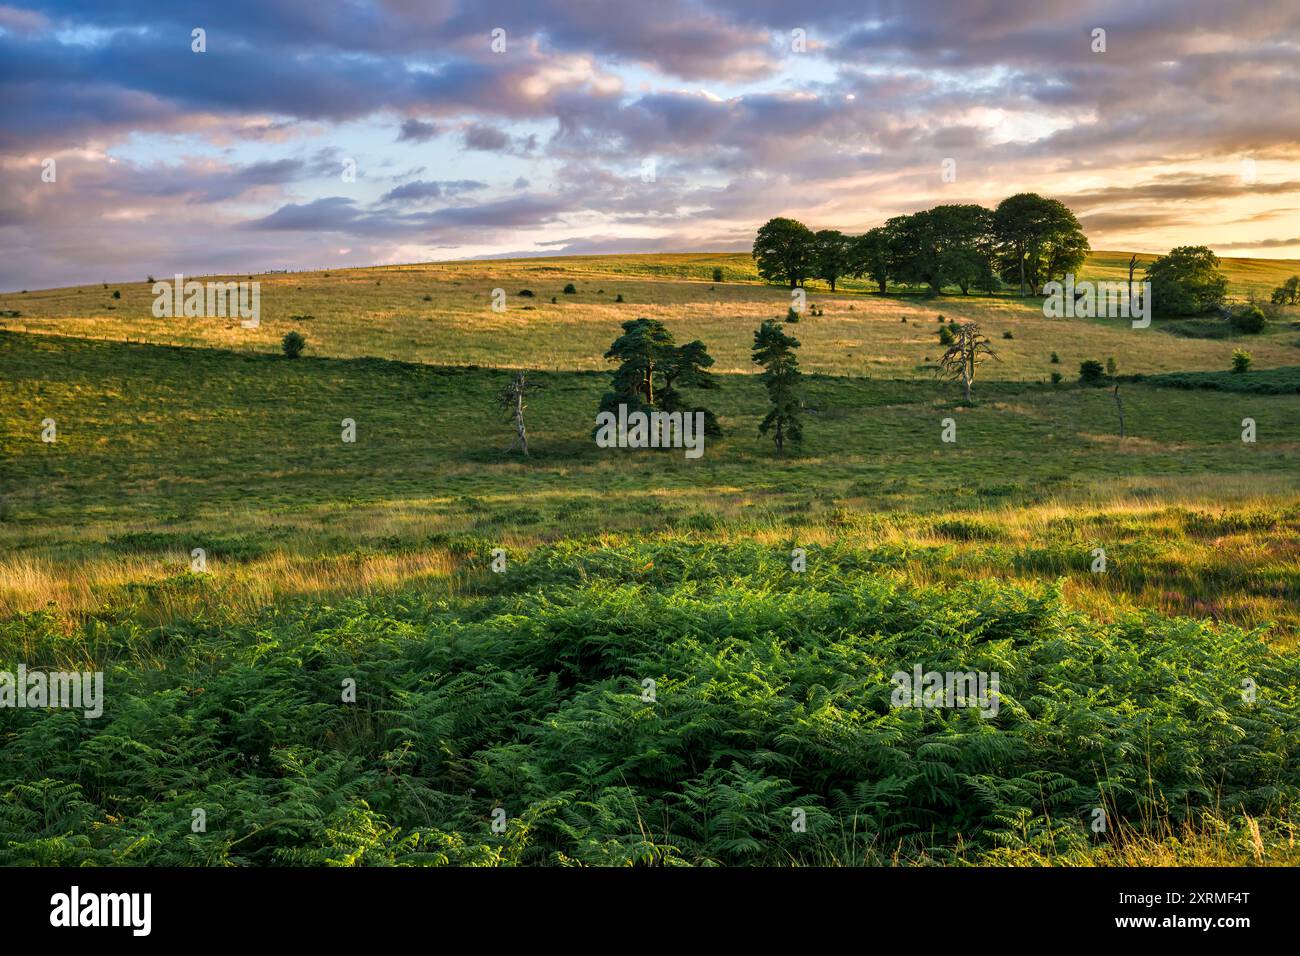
point(511, 400)
point(1113, 371)
point(1132, 264)
point(968, 348)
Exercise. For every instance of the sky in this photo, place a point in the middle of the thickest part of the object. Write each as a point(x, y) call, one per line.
point(310, 134)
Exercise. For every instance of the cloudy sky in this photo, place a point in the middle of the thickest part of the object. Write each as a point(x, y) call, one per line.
point(623, 125)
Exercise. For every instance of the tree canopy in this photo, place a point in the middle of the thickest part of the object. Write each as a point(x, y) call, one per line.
point(1027, 241)
point(785, 250)
point(1187, 281)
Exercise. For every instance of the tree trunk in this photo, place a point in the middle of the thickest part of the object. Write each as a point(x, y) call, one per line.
point(1020, 251)
point(832, 283)
point(1120, 406)
point(882, 285)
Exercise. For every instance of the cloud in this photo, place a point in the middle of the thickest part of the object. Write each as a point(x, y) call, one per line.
point(1143, 140)
point(420, 190)
point(417, 131)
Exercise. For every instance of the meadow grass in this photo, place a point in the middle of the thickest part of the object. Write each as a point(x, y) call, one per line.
point(371, 559)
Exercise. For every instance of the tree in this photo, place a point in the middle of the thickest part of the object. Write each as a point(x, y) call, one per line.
point(511, 400)
point(964, 232)
point(913, 250)
point(1040, 238)
point(1187, 281)
point(686, 366)
point(969, 347)
point(869, 256)
point(831, 253)
point(653, 369)
point(774, 351)
point(1288, 292)
point(785, 251)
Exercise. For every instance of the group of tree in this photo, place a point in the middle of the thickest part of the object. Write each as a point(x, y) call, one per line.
point(655, 374)
point(1288, 293)
point(654, 371)
point(1026, 241)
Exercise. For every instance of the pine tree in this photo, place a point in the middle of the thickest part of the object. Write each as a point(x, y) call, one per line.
point(653, 369)
point(774, 350)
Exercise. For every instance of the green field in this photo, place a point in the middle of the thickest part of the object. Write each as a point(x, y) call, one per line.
point(369, 562)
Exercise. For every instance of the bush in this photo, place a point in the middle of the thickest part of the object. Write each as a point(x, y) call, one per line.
point(1056, 378)
point(1056, 359)
point(1241, 360)
point(1091, 373)
point(946, 336)
point(1007, 334)
point(293, 343)
point(526, 293)
point(117, 293)
point(717, 273)
point(1249, 319)
point(570, 289)
point(619, 297)
point(791, 315)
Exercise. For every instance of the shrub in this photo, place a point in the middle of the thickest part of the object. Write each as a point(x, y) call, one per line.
point(1241, 360)
point(150, 280)
point(570, 289)
point(1056, 378)
point(1056, 359)
point(717, 273)
point(1091, 372)
point(1007, 334)
point(117, 293)
point(526, 293)
point(428, 298)
point(1249, 319)
point(293, 343)
point(791, 315)
point(619, 297)
point(946, 336)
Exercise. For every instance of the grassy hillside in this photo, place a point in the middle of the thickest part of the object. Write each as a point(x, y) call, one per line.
point(369, 561)
point(441, 314)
